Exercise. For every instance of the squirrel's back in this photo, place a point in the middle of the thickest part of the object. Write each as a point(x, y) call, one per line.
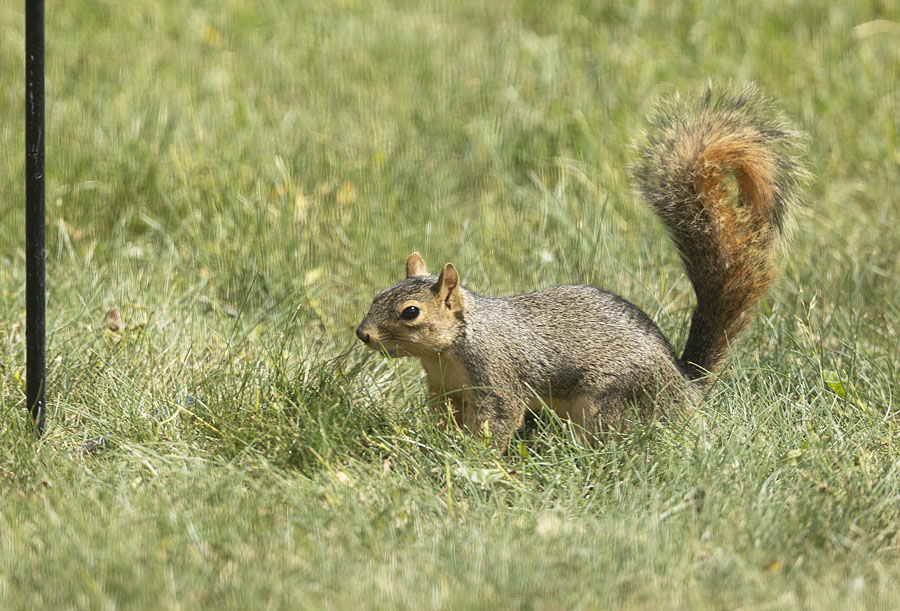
point(544, 321)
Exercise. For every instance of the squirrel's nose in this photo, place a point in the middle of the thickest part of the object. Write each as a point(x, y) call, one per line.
point(362, 335)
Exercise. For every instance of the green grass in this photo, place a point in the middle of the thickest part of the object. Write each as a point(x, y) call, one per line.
point(239, 178)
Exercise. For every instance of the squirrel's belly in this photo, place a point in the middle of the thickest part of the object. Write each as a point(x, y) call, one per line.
point(580, 408)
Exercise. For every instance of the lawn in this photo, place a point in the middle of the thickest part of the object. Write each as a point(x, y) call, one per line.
point(237, 179)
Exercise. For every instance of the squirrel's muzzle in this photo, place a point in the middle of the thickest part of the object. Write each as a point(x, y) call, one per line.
point(362, 335)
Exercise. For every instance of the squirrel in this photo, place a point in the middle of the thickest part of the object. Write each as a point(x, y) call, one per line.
point(723, 175)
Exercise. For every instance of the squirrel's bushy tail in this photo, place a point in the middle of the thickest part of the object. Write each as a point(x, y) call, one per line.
point(723, 175)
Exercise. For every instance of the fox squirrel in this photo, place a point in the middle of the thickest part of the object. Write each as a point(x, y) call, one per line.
point(722, 175)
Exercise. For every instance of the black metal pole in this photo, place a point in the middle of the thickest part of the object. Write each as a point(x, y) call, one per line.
point(35, 252)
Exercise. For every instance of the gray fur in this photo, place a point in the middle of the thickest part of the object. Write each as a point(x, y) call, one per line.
point(586, 353)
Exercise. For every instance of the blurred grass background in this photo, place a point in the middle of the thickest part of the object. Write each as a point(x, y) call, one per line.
point(239, 178)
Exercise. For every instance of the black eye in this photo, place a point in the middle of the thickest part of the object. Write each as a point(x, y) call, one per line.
point(409, 313)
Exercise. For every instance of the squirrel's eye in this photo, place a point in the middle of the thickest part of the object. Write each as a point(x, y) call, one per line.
point(409, 313)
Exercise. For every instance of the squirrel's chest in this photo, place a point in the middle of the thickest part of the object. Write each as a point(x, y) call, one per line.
point(445, 375)
point(448, 380)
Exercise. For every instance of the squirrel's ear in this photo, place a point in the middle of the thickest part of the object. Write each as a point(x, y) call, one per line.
point(415, 266)
point(447, 287)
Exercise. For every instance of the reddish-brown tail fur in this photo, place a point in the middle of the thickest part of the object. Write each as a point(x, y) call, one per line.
point(723, 176)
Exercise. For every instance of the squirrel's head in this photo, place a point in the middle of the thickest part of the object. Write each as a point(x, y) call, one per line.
point(418, 316)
